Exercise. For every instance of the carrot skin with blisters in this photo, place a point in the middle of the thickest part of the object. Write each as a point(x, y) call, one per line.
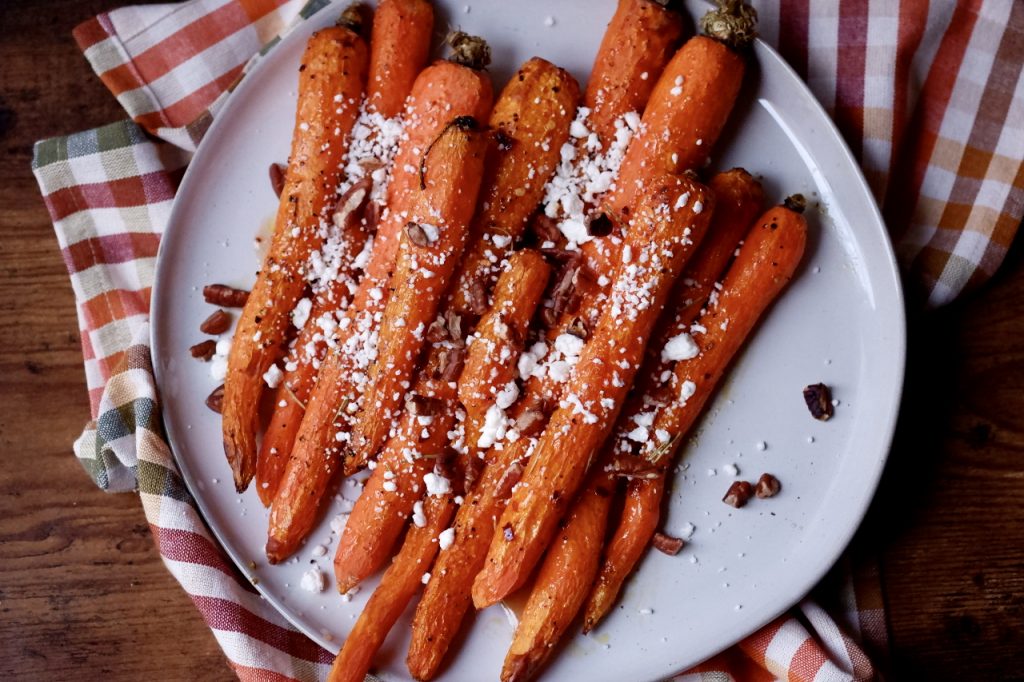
point(399, 48)
point(562, 582)
point(398, 585)
point(491, 358)
point(529, 125)
point(684, 118)
point(444, 88)
point(637, 44)
point(670, 220)
point(764, 265)
point(334, 64)
point(431, 243)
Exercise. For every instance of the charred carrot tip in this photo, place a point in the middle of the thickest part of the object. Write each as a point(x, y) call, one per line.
point(796, 203)
point(353, 17)
point(734, 23)
point(468, 50)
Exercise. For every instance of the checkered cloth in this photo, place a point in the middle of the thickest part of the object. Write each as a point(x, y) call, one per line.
point(928, 95)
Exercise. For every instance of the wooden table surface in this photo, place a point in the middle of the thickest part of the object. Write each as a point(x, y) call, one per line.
point(83, 592)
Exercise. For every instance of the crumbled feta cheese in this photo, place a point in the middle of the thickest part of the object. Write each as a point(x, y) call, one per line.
point(418, 518)
point(446, 538)
point(680, 347)
point(300, 314)
point(273, 376)
point(313, 580)
point(437, 484)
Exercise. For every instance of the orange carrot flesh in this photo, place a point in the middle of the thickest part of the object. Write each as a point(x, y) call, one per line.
point(562, 583)
point(491, 358)
point(433, 240)
point(399, 47)
point(447, 596)
point(765, 264)
point(685, 115)
point(530, 123)
point(637, 44)
point(303, 360)
point(397, 587)
point(335, 63)
point(668, 223)
point(441, 89)
point(641, 514)
point(383, 508)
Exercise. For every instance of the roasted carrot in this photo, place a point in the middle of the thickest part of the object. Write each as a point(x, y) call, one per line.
point(562, 582)
point(399, 47)
point(637, 44)
point(307, 351)
point(669, 221)
point(383, 508)
point(689, 105)
point(447, 596)
point(397, 586)
point(765, 264)
point(334, 64)
point(491, 358)
point(442, 89)
point(530, 123)
point(433, 240)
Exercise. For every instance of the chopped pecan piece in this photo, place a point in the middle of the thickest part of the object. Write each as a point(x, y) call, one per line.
point(204, 350)
point(819, 401)
point(667, 544)
point(476, 296)
point(217, 323)
point(738, 494)
point(277, 177)
point(767, 486)
point(223, 295)
point(215, 400)
point(415, 233)
point(425, 406)
point(451, 363)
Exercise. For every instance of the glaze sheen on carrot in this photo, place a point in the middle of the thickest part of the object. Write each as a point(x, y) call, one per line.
point(307, 351)
point(433, 240)
point(766, 262)
point(399, 47)
point(529, 125)
point(686, 113)
point(446, 598)
point(382, 511)
point(444, 88)
point(638, 43)
point(562, 582)
point(670, 220)
point(492, 356)
point(334, 65)
point(400, 582)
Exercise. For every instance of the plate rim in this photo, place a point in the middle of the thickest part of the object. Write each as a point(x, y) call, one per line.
point(892, 281)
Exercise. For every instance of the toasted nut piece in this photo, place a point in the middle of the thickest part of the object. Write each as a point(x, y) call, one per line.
point(217, 323)
point(204, 350)
point(738, 494)
point(223, 295)
point(216, 399)
point(767, 486)
point(667, 544)
point(277, 178)
point(819, 401)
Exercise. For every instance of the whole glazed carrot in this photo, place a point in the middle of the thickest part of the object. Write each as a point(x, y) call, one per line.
point(766, 262)
point(670, 220)
point(530, 123)
point(398, 585)
point(399, 48)
point(400, 41)
point(690, 104)
point(444, 88)
point(334, 66)
point(562, 582)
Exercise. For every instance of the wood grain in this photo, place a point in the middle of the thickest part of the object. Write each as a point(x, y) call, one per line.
point(83, 592)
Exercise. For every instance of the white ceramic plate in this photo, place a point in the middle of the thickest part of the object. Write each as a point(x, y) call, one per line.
point(841, 322)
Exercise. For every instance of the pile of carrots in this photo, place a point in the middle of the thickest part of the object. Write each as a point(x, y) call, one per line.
point(488, 476)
